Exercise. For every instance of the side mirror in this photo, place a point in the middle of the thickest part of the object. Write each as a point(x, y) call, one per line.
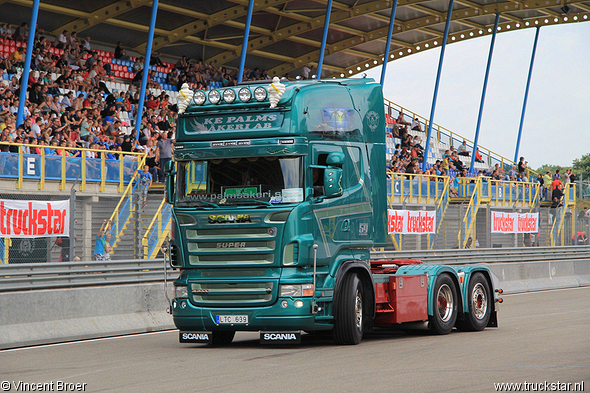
point(170, 172)
point(333, 182)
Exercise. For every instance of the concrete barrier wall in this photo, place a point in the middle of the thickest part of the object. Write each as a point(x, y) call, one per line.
point(539, 276)
point(58, 315)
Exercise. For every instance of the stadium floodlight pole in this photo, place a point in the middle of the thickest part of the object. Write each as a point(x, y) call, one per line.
point(24, 78)
point(440, 63)
point(245, 42)
point(388, 43)
point(146, 67)
point(324, 39)
point(483, 92)
point(526, 94)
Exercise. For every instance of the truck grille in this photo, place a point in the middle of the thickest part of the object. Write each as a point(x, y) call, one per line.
point(233, 294)
point(224, 246)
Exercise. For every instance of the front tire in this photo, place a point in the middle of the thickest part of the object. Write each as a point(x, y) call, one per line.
point(348, 312)
point(221, 338)
point(480, 304)
point(444, 301)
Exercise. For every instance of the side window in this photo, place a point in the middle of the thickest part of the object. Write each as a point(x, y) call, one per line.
point(353, 167)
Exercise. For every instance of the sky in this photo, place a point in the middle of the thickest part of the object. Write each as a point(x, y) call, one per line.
point(556, 127)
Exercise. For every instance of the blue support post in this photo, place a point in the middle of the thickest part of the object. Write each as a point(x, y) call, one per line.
point(24, 79)
point(146, 67)
point(245, 42)
point(388, 43)
point(324, 39)
point(526, 94)
point(483, 93)
point(440, 63)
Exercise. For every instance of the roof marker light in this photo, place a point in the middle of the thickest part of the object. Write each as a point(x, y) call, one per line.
point(199, 97)
point(260, 93)
point(229, 96)
point(214, 97)
point(245, 94)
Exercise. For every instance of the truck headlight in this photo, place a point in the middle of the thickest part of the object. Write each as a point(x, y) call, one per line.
point(180, 291)
point(297, 290)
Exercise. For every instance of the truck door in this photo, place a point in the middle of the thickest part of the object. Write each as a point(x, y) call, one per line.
point(340, 222)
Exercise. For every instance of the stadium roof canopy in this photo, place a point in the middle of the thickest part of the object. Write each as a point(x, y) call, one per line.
point(286, 34)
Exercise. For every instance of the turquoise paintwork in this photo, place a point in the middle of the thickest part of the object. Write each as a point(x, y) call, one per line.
point(250, 204)
point(234, 257)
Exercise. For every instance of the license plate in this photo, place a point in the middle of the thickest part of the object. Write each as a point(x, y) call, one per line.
point(232, 318)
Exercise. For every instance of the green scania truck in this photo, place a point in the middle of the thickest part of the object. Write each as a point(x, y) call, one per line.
point(278, 194)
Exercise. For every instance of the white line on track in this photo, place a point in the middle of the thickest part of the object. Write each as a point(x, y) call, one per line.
point(85, 341)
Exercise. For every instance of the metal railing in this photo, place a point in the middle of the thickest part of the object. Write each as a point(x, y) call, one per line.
point(62, 166)
point(467, 225)
point(440, 206)
point(557, 232)
point(416, 187)
point(157, 231)
point(20, 277)
point(124, 210)
point(488, 255)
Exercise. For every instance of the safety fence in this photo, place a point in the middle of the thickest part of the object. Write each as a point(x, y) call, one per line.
point(427, 188)
point(42, 162)
point(21, 277)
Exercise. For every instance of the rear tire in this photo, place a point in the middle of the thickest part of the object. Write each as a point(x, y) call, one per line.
point(444, 302)
point(221, 338)
point(348, 312)
point(480, 304)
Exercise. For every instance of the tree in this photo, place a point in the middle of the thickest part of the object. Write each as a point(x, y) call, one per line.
point(551, 168)
point(582, 167)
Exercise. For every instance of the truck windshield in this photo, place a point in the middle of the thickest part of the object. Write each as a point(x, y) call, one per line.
point(240, 181)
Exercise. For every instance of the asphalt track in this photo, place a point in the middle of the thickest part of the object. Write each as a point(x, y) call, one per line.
point(543, 337)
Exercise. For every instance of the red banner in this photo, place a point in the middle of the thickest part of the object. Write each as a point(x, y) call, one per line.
point(20, 219)
point(515, 222)
point(410, 222)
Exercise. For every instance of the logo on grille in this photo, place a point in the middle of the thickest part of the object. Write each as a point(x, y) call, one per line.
point(223, 218)
point(231, 245)
point(200, 291)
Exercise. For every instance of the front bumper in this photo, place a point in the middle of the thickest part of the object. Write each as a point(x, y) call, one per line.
point(274, 317)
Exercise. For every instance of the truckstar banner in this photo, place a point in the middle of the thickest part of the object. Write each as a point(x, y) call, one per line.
point(20, 219)
point(515, 222)
point(411, 222)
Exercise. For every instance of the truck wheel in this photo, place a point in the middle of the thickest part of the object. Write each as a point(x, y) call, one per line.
point(220, 338)
point(348, 312)
point(480, 304)
point(444, 300)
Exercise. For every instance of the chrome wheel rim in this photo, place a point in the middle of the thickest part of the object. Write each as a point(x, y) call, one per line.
point(445, 303)
point(358, 309)
point(479, 301)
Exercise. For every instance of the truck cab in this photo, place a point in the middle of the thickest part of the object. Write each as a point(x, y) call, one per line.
point(277, 200)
